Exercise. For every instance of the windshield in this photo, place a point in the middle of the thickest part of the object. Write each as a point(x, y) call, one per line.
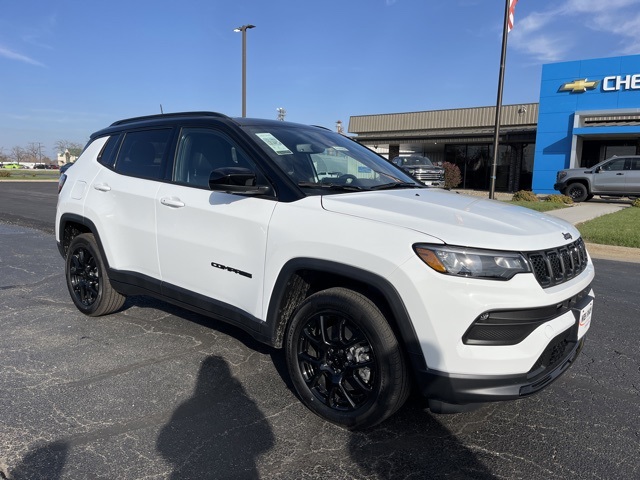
point(319, 159)
point(414, 162)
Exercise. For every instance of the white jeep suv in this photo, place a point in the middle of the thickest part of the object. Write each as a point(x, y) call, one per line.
point(372, 282)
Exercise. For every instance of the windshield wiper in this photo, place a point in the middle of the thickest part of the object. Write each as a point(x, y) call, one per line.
point(331, 186)
point(389, 186)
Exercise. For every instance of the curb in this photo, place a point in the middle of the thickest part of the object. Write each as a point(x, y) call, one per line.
point(613, 252)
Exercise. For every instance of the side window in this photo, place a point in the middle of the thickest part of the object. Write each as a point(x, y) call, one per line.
point(614, 165)
point(107, 156)
point(201, 151)
point(634, 164)
point(142, 153)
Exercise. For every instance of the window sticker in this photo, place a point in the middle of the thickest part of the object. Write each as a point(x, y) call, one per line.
point(274, 144)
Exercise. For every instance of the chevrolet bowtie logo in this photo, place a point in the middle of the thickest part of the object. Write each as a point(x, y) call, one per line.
point(579, 86)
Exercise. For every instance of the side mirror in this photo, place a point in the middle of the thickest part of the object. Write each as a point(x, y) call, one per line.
point(236, 180)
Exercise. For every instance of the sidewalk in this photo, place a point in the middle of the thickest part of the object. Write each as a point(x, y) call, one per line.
point(582, 212)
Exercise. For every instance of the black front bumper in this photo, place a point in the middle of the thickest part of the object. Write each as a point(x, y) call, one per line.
point(559, 186)
point(464, 390)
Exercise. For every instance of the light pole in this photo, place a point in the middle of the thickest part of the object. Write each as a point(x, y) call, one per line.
point(243, 29)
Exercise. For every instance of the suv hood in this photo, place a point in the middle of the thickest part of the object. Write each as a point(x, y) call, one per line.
point(456, 219)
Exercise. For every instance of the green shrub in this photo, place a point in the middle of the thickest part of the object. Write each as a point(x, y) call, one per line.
point(5, 174)
point(636, 203)
point(555, 198)
point(452, 176)
point(524, 196)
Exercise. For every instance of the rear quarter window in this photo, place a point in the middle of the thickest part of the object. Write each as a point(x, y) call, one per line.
point(107, 156)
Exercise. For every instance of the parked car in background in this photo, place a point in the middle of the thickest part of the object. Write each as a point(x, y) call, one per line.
point(15, 166)
point(616, 176)
point(421, 168)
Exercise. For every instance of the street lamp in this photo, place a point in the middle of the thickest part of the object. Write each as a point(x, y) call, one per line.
point(243, 29)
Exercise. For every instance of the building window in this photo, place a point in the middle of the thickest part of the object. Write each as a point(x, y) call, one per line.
point(514, 170)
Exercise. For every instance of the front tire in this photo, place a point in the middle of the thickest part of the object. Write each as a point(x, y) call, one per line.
point(87, 278)
point(344, 359)
point(578, 192)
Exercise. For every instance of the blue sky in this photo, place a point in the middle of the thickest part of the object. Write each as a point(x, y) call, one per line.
point(71, 67)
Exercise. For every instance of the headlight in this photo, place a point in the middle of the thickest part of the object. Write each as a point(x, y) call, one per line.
point(470, 262)
point(561, 174)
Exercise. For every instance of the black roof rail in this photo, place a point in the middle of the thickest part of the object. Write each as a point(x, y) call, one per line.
point(324, 128)
point(168, 115)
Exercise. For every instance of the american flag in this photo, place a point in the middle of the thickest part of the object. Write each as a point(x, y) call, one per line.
point(512, 10)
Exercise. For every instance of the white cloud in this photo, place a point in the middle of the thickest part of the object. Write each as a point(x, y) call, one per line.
point(34, 40)
point(593, 6)
point(630, 30)
point(532, 23)
point(545, 48)
point(6, 53)
point(537, 33)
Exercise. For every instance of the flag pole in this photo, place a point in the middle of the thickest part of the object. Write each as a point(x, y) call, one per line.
point(496, 138)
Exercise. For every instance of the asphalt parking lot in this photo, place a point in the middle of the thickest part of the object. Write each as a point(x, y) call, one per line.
point(157, 392)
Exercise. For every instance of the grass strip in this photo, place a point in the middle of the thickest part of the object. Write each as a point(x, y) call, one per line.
point(619, 228)
point(28, 174)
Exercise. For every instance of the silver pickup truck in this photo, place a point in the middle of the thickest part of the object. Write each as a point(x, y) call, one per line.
point(422, 169)
point(616, 176)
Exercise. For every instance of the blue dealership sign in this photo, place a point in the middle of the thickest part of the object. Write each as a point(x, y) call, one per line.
point(582, 104)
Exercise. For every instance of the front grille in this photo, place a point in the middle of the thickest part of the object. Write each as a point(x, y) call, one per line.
point(558, 265)
point(428, 176)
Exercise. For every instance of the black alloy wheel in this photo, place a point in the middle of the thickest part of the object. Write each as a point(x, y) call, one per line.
point(344, 359)
point(87, 278)
point(84, 277)
point(337, 361)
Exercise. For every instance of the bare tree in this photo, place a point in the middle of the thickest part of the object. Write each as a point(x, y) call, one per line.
point(3, 156)
point(74, 148)
point(18, 154)
point(34, 152)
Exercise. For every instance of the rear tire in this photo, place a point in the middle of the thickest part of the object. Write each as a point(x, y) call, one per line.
point(87, 278)
point(344, 359)
point(577, 191)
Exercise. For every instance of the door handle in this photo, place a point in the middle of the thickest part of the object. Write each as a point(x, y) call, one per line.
point(102, 187)
point(172, 202)
point(619, 173)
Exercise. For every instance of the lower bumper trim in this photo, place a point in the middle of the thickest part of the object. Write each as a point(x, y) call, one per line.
point(468, 389)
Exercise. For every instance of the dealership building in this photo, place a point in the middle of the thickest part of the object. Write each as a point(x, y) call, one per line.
point(589, 110)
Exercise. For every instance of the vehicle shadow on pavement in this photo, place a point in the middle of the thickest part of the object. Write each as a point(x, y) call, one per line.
point(410, 444)
point(46, 461)
point(219, 326)
point(611, 200)
point(414, 444)
point(218, 432)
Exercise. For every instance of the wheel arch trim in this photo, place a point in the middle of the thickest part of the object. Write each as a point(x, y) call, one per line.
point(277, 325)
point(67, 218)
